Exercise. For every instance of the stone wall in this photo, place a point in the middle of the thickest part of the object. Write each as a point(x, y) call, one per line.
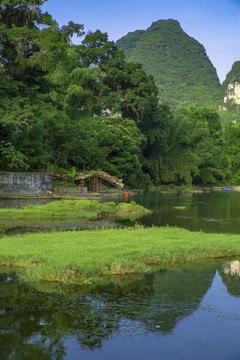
point(20, 185)
point(78, 193)
point(72, 191)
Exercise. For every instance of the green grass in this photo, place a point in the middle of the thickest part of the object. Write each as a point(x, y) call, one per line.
point(73, 209)
point(77, 257)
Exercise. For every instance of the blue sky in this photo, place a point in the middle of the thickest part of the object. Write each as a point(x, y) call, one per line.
point(214, 23)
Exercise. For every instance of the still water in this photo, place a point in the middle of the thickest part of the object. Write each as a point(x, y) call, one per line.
point(176, 313)
point(216, 211)
point(187, 313)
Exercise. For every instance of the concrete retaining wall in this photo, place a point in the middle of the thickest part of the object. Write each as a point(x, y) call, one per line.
point(20, 185)
point(78, 193)
point(71, 191)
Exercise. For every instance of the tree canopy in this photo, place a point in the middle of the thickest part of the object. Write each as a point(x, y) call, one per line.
point(84, 106)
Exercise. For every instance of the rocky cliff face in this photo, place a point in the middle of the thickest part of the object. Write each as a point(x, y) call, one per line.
point(231, 86)
point(232, 93)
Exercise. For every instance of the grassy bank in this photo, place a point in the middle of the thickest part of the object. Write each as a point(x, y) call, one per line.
point(76, 257)
point(72, 210)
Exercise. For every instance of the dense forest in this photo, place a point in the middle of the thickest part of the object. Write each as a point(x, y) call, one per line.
point(65, 106)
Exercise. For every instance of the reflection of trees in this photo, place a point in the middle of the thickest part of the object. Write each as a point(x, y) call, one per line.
point(26, 324)
point(33, 324)
point(212, 212)
point(230, 274)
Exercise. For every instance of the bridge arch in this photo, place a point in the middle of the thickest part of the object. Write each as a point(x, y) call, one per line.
point(100, 174)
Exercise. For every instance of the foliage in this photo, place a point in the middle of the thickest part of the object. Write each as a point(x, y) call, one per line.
point(11, 159)
point(178, 63)
point(86, 107)
point(231, 138)
point(233, 75)
point(205, 139)
point(109, 144)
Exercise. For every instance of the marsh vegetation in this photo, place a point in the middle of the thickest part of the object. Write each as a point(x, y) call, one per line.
point(77, 257)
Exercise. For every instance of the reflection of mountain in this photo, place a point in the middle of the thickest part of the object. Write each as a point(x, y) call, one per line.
point(230, 275)
point(34, 324)
point(166, 297)
point(177, 294)
point(232, 268)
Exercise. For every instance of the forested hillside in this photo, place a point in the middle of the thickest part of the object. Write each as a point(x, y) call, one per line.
point(179, 63)
point(84, 107)
point(231, 91)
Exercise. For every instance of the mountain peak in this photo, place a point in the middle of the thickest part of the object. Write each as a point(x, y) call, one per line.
point(168, 22)
point(178, 62)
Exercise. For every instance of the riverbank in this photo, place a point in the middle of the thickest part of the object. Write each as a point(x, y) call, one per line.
point(197, 189)
point(82, 257)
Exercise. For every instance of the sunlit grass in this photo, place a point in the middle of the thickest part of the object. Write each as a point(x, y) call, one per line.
point(76, 257)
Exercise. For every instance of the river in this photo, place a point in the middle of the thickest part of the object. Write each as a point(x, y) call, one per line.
point(215, 211)
point(187, 313)
point(176, 313)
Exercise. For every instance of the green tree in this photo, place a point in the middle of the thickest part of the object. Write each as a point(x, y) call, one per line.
point(85, 94)
point(109, 144)
point(206, 143)
point(31, 45)
point(180, 163)
point(231, 138)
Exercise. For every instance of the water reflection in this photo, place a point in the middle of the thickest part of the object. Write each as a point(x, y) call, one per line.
point(55, 323)
point(216, 212)
point(21, 203)
point(8, 227)
point(230, 275)
point(232, 268)
point(210, 212)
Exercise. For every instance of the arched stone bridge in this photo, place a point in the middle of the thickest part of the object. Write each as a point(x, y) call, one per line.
point(100, 174)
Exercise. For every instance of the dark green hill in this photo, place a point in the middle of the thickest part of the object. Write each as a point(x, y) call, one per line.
point(234, 75)
point(129, 42)
point(179, 63)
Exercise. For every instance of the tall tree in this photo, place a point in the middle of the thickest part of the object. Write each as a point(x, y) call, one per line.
point(31, 45)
